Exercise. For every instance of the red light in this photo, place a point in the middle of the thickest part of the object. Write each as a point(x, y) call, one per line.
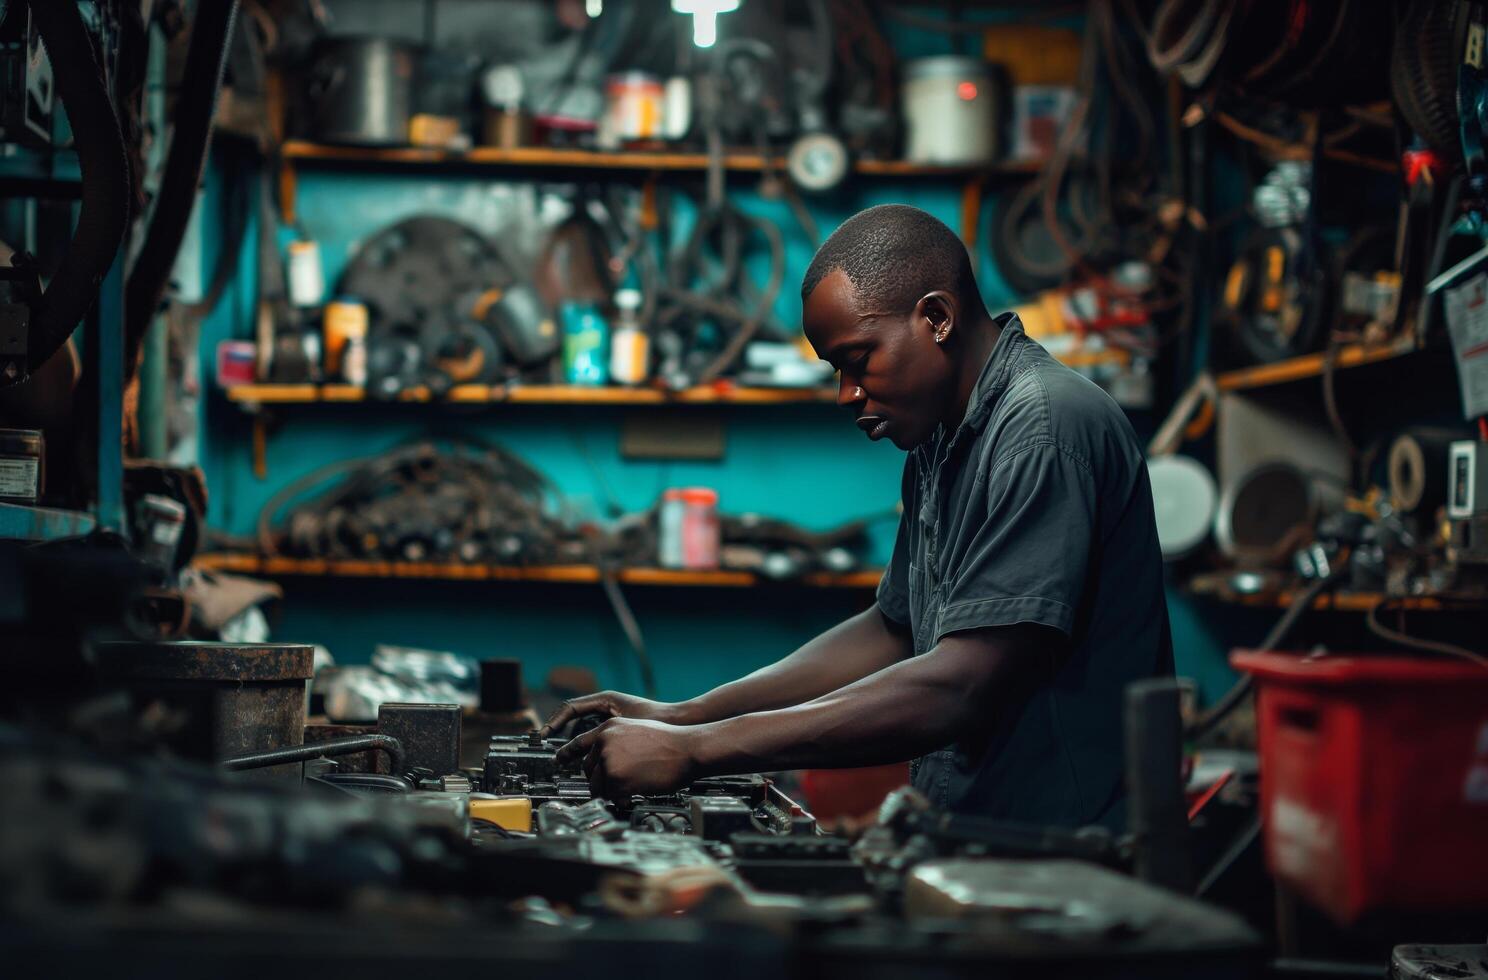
point(967, 91)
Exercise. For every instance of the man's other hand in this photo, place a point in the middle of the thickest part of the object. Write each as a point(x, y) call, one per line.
point(625, 757)
point(612, 704)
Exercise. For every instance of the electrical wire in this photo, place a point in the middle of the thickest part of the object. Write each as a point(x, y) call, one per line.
point(609, 579)
point(1371, 621)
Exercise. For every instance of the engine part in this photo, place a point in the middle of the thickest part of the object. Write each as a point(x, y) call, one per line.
point(224, 699)
point(526, 329)
point(524, 759)
point(1417, 469)
point(719, 818)
point(439, 309)
point(429, 734)
point(1264, 513)
point(361, 91)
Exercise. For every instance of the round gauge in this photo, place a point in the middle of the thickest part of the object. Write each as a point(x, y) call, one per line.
point(817, 162)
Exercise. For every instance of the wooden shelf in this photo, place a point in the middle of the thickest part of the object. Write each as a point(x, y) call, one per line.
point(1351, 602)
point(546, 157)
point(715, 394)
point(274, 566)
point(1311, 365)
point(302, 394)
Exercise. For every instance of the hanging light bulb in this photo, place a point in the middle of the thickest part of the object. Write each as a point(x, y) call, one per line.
point(704, 17)
point(593, 8)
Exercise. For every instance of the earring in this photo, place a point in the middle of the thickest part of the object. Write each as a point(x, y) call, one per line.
point(859, 394)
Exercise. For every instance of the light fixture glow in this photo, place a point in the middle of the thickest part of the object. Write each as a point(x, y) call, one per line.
point(593, 8)
point(704, 17)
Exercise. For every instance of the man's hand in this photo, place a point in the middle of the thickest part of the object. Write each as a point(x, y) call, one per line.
point(613, 704)
point(625, 757)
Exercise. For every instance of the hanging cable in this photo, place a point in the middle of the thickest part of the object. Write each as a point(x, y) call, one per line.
point(1237, 694)
point(1371, 620)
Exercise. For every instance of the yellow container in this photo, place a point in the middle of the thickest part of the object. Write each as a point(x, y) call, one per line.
point(344, 320)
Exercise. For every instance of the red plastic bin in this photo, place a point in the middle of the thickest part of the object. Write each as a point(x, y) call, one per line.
point(1374, 780)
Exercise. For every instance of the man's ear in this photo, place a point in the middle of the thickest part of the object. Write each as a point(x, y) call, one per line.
point(939, 312)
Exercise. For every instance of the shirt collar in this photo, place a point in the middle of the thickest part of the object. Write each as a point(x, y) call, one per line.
point(993, 380)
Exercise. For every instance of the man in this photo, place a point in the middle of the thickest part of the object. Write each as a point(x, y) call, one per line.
point(1025, 589)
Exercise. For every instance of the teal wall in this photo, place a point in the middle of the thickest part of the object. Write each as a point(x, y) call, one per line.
point(806, 463)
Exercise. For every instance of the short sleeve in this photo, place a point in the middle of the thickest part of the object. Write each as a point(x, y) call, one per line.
point(893, 588)
point(1027, 562)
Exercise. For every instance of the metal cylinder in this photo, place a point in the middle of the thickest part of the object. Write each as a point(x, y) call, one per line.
point(224, 699)
point(361, 90)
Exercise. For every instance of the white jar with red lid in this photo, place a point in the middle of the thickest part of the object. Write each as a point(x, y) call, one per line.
point(688, 531)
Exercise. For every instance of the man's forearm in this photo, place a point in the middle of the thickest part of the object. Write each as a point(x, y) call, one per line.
point(900, 712)
point(848, 652)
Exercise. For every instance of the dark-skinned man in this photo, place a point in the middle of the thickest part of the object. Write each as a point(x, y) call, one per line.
point(1025, 588)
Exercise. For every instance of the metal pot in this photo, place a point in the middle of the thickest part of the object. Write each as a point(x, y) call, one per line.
point(361, 91)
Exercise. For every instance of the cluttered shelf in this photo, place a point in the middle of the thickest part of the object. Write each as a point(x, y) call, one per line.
point(1313, 365)
point(252, 395)
point(274, 565)
point(1333, 601)
point(301, 394)
point(301, 151)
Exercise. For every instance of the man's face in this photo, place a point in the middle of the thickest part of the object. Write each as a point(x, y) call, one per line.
point(895, 377)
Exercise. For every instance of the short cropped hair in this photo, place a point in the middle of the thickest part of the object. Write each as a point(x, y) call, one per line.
point(894, 254)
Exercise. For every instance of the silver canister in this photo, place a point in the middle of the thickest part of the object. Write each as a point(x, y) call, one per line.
point(361, 91)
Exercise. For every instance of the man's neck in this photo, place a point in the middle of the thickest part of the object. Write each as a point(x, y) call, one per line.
point(979, 341)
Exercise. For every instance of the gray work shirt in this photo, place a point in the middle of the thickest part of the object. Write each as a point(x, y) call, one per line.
point(1036, 509)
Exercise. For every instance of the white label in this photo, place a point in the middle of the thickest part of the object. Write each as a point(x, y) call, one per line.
point(18, 477)
point(1467, 322)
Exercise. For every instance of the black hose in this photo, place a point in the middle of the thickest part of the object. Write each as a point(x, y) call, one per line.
point(104, 166)
point(350, 745)
point(191, 138)
point(1236, 695)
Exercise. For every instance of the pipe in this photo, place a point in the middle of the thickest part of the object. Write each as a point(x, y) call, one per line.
point(350, 745)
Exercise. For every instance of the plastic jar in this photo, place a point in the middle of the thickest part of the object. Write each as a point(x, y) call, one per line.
point(950, 111)
point(688, 530)
point(22, 473)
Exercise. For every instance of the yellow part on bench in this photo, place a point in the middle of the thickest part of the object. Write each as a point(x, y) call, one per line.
point(506, 812)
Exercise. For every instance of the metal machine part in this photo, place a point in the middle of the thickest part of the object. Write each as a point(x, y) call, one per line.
point(225, 700)
point(361, 91)
point(428, 733)
point(1263, 514)
point(1418, 470)
point(327, 748)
